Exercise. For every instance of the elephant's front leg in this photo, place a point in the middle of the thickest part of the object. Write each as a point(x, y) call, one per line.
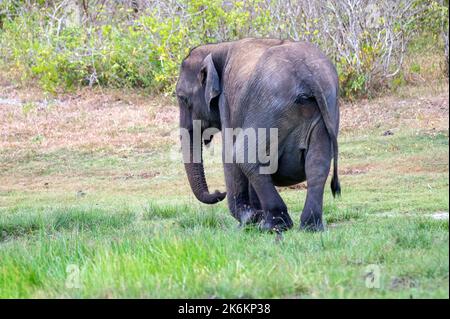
point(254, 200)
point(274, 210)
point(240, 202)
point(317, 167)
point(271, 211)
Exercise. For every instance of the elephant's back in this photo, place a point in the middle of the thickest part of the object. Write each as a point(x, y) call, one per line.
point(282, 74)
point(288, 70)
point(241, 67)
point(298, 56)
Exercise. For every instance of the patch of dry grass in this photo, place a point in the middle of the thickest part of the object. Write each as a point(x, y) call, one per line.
point(428, 113)
point(115, 140)
point(86, 121)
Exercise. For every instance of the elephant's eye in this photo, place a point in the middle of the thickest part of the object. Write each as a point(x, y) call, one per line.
point(303, 99)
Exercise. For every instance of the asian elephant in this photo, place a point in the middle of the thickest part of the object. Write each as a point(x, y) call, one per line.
point(262, 84)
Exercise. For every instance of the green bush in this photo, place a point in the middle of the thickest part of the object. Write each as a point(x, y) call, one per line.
point(125, 48)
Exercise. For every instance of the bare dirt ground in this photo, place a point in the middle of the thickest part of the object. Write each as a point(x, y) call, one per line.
point(426, 112)
point(92, 119)
point(88, 120)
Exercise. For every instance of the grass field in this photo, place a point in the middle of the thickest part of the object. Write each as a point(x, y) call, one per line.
point(94, 202)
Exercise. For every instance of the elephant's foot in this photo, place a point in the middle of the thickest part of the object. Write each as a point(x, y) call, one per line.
point(266, 221)
point(311, 223)
point(277, 223)
point(250, 217)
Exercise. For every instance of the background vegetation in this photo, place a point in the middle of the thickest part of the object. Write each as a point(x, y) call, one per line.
point(376, 45)
point(94, 200)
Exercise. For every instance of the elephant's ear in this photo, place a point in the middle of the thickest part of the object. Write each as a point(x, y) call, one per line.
point(210, 79)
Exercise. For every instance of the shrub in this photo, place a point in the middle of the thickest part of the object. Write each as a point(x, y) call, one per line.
point(63, 44)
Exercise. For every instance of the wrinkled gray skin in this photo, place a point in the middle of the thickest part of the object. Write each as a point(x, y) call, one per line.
point(263, 83)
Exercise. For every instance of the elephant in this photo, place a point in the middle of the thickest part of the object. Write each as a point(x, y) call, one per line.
point(263, 83)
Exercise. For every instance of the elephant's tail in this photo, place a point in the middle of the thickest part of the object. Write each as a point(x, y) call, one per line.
point(323, 107)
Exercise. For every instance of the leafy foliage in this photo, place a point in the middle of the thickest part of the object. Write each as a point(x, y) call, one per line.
point(65, 44)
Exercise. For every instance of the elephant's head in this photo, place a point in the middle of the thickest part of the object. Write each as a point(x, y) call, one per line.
point(198, 90)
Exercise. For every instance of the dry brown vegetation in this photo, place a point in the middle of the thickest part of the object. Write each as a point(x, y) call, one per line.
point(86, 120)
point(118, 121)
point(428, 112)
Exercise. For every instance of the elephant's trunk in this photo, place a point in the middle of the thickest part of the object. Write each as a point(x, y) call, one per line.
point(196, 176)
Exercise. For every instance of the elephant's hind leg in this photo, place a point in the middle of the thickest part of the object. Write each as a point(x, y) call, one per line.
point(317, 167)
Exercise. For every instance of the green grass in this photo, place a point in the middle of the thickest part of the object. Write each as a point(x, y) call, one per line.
point(129, 223)
point(183, 253)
